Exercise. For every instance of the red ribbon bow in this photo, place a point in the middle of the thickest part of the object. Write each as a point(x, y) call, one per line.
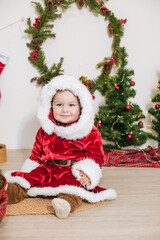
point(112, 61)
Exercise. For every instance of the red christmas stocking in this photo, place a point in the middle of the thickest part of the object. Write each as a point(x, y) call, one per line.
point(3, 61)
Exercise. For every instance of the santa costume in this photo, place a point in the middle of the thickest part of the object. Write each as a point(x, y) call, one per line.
point(61, 151)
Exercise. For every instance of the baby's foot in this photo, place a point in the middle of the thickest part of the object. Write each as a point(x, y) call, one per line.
point(62, 207)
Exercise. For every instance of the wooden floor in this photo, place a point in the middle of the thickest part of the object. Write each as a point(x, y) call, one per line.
point(134, 215)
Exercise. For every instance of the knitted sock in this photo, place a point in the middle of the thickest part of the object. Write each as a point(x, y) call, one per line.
point(15, 193)
point(62, 207)
point(65, 203)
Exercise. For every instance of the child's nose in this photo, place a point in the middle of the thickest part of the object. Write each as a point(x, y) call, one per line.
point(65, 108)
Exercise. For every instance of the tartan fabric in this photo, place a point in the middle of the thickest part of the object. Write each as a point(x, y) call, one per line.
point(3, 204)
point(147, 157)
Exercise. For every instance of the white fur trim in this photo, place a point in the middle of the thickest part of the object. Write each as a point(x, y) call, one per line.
point(85, 123)
point(29, 165)
point(98, 101)
point(90, 168)
point(4, 58)
point(21, 181)
point(91, 197)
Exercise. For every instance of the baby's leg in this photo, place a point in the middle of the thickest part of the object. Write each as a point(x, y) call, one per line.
point(15, 193)
point(65, 203)
point(73, 200)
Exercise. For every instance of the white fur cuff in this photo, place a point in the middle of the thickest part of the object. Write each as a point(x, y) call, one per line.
point(29, 165)
point(16, 179)
point(90, 168)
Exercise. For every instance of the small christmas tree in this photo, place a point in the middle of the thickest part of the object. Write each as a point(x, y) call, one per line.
point(119, 120)
point(156, 113)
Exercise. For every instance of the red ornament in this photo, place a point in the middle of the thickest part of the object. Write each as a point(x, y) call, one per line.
point(99, 125)
point(117, 87)
point(140, 123)
point(129, 136)
point(132, 83)
point(157, 106)
point(128, 107)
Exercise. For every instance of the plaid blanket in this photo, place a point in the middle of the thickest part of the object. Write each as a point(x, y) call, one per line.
point(147, 157)
point(3, 204)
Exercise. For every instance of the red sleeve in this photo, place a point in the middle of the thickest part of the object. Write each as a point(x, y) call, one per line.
point(37, 150)
point(93, 147)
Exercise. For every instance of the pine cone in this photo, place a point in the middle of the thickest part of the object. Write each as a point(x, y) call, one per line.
point(41, 81)
point(80, 3)
point(36, 42)
point(110, 30)
point(50, 5)
point(106, 68)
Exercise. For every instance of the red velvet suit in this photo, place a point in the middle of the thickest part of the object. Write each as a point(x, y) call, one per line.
point(50, 147)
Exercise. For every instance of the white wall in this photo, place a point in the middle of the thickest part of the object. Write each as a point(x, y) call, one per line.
point(83, 42)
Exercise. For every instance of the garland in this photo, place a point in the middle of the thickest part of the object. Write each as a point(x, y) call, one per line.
point(119, 121)
point(40, 30)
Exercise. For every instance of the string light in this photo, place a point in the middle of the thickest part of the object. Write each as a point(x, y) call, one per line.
point(19, 20)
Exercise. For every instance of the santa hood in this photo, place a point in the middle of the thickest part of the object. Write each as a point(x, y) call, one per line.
point(85, 123)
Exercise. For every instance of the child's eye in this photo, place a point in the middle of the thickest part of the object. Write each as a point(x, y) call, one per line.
point(71, 105)
point(58, 104)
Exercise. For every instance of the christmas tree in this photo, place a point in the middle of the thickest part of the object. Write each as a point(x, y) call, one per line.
point(155, 112)
point(119, 120)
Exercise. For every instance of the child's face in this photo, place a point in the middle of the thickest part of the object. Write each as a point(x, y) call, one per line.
point(66, 107)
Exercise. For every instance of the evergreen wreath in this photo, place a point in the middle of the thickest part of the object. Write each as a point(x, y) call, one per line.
point(40, 30)
point(119, 121)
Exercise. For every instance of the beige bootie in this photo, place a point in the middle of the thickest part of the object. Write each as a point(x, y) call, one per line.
point(62, 207)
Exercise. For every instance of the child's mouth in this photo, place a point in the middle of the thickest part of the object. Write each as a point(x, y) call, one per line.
point(65, 115)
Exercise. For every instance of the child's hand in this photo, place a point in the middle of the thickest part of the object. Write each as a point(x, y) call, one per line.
point(84, 180)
